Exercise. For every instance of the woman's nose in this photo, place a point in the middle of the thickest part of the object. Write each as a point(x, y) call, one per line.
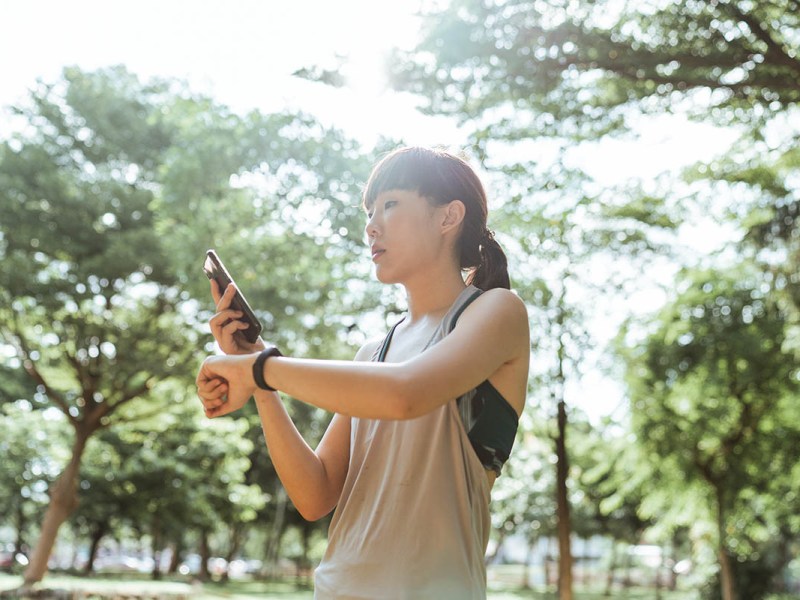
point(371, 228)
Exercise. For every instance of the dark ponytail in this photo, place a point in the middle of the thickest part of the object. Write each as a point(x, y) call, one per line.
point(442, 177)
point(492, 270)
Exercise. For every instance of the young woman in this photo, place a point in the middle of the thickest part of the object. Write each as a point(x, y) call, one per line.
point(424, 418)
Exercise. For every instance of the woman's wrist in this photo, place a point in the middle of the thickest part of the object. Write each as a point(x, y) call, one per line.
point(259, 368)
point(265, 397)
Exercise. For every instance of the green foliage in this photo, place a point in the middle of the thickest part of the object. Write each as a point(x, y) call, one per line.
point(610, 481)
point(87, 293)
point(713, 407)
point(166, 476)
point(713, 384)
point(580, 65)
point(522, 495)
point(111, 193)
point(33, 450)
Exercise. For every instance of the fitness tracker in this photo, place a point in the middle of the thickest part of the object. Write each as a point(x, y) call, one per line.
point(258, 368)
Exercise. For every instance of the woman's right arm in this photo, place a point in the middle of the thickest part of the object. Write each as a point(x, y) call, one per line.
point(313, 479)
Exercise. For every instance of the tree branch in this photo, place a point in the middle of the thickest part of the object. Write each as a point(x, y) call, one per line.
point(88, 385)
point(774, 49)
point(132, 394)
point(22, 348)
point(153, 413)
point(704, 466)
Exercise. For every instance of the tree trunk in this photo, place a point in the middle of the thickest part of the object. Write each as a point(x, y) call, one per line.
point(726, 575)
point(175, 560)
point(63, 502)
point(612, 567)
point(156, 548)
point(626, 574)
point(205, 554)
point(19, 543)
point(728, 588)
point(781, 584)
point(99, 532)
point(237, 534)
point(272, 550)
point(564, 526)
point(525, 584)
point(657, 582)
point(549, 578)
point(673, 574)
point(501, 537)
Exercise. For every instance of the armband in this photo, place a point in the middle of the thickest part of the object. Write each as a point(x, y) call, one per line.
point(258, 368)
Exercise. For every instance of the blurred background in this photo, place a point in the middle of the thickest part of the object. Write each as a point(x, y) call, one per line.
point(643, 170)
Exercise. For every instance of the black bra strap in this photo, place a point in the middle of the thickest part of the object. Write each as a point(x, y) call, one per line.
point(462, 308)
point(388, 340)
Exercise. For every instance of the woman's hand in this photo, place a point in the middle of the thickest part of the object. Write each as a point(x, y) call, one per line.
point(226, 326)
point(225, 383)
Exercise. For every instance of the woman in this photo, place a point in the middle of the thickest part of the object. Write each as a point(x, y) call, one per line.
point(424, 418)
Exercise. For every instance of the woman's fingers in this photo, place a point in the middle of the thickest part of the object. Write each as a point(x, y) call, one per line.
point(234, 326)
point(223, 318)
point(212, 389)
point(234, 372)
point(224, 302)
point(216, 294)
point(213, 394)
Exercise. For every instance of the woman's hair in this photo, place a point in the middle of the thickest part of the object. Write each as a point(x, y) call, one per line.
point(441, 177)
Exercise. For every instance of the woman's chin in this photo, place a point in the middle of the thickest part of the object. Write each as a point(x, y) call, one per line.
point(385, 277)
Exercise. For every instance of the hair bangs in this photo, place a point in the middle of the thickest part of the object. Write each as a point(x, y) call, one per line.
point(410, 169)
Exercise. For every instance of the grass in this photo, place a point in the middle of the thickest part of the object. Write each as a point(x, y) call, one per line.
point(244, 590)
point(107, 586)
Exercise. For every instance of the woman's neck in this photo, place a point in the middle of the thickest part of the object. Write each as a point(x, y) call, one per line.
point(432, 297)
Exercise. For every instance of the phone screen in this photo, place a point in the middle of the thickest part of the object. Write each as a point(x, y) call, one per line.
point(214, 269)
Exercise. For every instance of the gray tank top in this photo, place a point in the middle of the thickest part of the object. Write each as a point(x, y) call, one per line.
point(413, 517)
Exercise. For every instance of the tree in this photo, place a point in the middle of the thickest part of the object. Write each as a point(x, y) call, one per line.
point(577, 67)
point(611, 482)
point(522, 498)
point(165, 476)
point(33, 451)
point(562, 234)
point(712, 394)
point(92, 316)
point(110, 197)
point(515, 72)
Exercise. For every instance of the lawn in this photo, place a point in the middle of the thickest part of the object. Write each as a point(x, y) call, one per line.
point(137, 586)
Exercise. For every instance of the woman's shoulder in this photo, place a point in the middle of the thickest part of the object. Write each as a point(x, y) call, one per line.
point(369, 348)
point(499, 310)
point(501, 302)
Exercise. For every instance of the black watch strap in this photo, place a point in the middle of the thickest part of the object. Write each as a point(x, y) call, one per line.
point(258, 368)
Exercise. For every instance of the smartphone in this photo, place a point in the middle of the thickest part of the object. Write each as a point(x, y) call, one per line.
point(214, 269)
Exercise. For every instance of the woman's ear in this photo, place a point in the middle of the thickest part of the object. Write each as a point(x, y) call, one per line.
point(453, 215)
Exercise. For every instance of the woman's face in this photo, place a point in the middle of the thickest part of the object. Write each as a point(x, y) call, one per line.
point(402, 234)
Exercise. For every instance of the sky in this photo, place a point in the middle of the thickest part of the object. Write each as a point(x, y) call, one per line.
point(243, 53)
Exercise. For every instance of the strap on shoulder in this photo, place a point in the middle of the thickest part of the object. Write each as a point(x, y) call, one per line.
point(386, 341)
point(454, 319)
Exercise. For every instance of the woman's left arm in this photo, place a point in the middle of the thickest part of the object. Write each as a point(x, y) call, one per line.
point(492, 332)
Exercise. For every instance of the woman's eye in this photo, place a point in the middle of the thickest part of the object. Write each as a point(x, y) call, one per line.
point(389, 203)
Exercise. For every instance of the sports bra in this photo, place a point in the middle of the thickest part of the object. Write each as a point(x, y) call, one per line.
point(490, 421)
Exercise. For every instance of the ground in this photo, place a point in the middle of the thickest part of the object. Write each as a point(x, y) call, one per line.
point(128, 587)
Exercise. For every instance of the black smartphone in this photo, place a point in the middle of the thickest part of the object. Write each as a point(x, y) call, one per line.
point(214, 269)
